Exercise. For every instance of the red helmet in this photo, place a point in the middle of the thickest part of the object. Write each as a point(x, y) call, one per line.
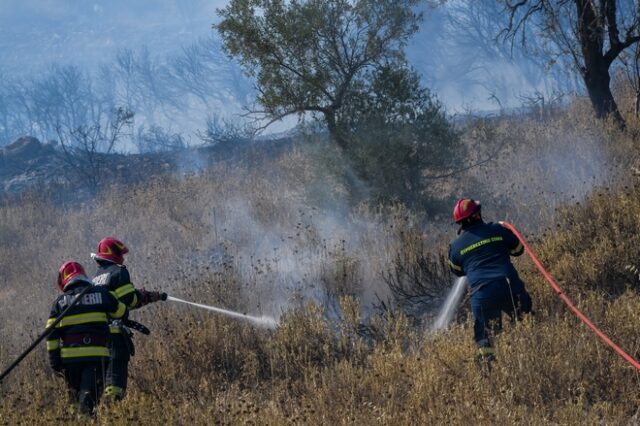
point(111, 250)
point(70, 271)
point(464, 209)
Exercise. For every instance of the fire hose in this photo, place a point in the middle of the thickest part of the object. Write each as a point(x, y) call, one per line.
point(568, 302)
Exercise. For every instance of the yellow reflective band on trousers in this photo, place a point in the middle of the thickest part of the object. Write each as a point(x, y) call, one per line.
point(120, 311)
point(480, 243)
point(486, 351)
point(454, 266)
point(518, 249)
point(124, 290)
point(99, 317)
point(53, 345)
point(113, 391)
point(83, 351)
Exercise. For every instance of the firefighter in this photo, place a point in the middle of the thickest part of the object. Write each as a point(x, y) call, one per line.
point(78, 345)
point(114, 276)
point(482, 253)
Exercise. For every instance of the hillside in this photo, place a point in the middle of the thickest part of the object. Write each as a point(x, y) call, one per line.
point(281, 235)
point(28, 165)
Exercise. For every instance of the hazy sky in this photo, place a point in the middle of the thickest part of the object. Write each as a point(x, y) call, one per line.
point(34, 33)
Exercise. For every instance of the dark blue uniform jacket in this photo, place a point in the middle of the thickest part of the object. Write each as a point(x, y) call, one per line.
point(482, 253)
point(83, 333)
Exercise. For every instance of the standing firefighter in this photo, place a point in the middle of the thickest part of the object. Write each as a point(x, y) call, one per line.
point(113, 276)
point(78, 345)
point(481, 252)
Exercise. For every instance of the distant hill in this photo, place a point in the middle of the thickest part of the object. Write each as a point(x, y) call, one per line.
point(29, 164)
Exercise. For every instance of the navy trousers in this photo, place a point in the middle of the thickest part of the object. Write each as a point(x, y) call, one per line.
point(85, 384)
point(121, 351)
point(489, 300)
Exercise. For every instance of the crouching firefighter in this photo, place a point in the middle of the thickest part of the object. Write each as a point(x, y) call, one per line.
point(78, 345)
point(482, 252)
point(114, 276)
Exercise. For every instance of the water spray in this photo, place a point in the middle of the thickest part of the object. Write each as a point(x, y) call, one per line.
point(450, 305)
point(263, 321)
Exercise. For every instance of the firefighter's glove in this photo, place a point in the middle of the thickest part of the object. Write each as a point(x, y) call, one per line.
point(151, 297)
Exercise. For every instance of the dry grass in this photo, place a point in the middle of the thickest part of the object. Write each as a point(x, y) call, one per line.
point(279, 236)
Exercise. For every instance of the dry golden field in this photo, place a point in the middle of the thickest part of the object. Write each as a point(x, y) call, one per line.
point(283, 236)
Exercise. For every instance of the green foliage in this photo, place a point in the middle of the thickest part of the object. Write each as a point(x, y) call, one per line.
point(316, 56)
point(606, 224)
point(343, 63)
point(401, 137)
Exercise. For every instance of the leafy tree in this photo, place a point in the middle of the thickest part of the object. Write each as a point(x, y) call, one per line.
point(342, 63)
point(317, 57)
point(400, 133)
point(592, 32)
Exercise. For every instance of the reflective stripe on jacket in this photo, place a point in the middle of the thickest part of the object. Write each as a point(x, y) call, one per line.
point(482, 253)
point(83, 332)
point(116, 279)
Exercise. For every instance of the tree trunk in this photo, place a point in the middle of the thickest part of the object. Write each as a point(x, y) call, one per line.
point(595, 71)
point(334, 131)
point(597, 80)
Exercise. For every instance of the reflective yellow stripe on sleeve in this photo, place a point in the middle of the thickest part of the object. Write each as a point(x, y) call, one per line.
point(454, 266)
point(119, 312)
point(99, 317)
point(115, 329)
point(53, 345)
point(84, 351)
point(50, 321)
point(124, 290)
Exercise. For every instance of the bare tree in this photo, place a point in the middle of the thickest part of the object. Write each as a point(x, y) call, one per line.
point(157, 139)
point(631, 61)
point(593, 33)
point(226, 131)
point(472, 28)
point(12, 119)
point(418, 281)
point(36, 106)
point(201, 70)
point(193, 72)
point(86, 147)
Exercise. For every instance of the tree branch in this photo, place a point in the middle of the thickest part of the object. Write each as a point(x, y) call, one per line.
point(489, 158)
point(612, 54)
point(609, 7)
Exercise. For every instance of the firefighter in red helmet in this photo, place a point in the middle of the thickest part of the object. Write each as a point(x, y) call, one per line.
point(78, 345)
point(114, 276)
point(482, 253)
